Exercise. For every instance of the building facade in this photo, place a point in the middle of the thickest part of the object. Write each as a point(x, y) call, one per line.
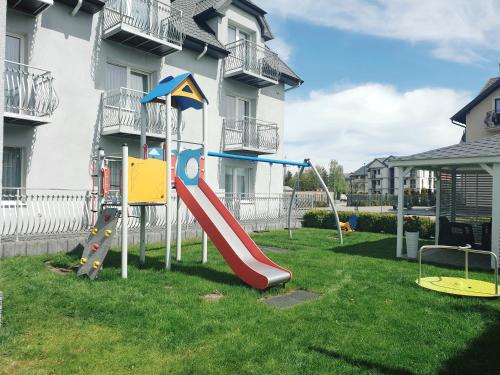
point(377, 177)
point(75, 72)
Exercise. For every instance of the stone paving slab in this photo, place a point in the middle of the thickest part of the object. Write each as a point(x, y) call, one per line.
point(291, 299)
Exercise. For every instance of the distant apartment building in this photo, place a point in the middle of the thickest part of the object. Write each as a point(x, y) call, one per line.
point(75, 71)
point(377, 177)
point(357, 181)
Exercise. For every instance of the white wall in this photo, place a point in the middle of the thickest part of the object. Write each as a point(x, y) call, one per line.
point(3, 14)
point(58, 153)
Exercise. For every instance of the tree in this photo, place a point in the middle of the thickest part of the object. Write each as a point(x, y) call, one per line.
point(336, 179)
point(287, 179)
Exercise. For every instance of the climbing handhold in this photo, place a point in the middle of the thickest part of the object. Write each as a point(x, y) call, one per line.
point(95, 247)
point(107, 218)
point(108, 232)
point(96, 264)
point(95, 230)
point(83, 261)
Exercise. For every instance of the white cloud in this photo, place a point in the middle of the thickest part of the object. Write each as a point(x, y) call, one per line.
point(356, 124)
point(458, 30)
point(282, 48)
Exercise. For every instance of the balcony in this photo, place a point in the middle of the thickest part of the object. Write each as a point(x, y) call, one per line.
point(29, 95)
point(31, 7)
point(250, 136)
point(123, 114)
point(252, 64)
point(147, 25)
point(492, 120)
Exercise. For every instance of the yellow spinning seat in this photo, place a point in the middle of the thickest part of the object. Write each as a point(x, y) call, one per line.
point(457, 285)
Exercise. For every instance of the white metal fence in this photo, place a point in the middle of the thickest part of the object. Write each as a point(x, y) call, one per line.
point(29, 213)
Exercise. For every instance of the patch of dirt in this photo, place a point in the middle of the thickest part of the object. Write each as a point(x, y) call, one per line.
point(168, 287)
point(213, 297)
point(58, 270)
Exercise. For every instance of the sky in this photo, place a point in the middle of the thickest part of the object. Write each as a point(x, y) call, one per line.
point(382, 77)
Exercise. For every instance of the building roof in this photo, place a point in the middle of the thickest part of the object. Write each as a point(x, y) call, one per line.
point(382, 160)
point(360, 171)
point(195, 13)
point(198, 33)
point(487, 149)
point(489, 87)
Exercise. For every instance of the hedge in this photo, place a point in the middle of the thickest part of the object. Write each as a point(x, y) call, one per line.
point(367, 222)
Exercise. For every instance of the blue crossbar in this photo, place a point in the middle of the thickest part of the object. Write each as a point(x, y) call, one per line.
point(260, 160)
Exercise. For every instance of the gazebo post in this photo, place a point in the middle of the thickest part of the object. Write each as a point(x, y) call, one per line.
point(437, 188)
point(402, 173)
point(495, 212)
point(453, 213)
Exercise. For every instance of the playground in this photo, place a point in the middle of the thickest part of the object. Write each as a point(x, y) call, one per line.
point(370, 316)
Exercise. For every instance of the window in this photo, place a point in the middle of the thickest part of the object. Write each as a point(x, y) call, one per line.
point(234, 34)
point(13, 48)
point(237, 108)
point(237, 180)
point(12, 164)
point(497, 105)
point(121, 76)
point(115, 168)
point(13, 77)
point(413, 184)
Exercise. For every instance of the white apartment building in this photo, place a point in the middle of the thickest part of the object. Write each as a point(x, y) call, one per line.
point(382, 179)
point(75, 71)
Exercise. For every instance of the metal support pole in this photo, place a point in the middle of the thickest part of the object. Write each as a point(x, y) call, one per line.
point(142, 151)
point(204, 239)
point(437, 188)
point(400, 218)
point(453, 215)
point(292, 198)
point(178, 243)
point(168, 156)
point(495, 211)
point(330, 200)
point(124, 210)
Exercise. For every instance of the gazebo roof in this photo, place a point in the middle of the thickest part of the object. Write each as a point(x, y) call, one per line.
point(483, 150)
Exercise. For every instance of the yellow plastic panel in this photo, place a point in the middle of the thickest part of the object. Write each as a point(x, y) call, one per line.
point(459, 286)
point(194, 94)
point(147, 181)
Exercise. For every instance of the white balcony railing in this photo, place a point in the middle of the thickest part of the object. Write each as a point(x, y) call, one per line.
point(250, 57)
point(124, 113)
point(28, 213)
point(250, 134)
point(147, 17)
point(28, 90)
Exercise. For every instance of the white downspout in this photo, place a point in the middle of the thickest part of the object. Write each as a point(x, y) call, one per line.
point(76, 8)
point(203, 53)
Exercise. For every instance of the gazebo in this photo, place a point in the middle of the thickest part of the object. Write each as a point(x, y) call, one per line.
point(467, 189)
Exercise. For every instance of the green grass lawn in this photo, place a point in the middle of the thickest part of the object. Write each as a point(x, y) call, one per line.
point(371, 317)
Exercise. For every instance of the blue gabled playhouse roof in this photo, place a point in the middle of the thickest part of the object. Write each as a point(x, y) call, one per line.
point(183, 101)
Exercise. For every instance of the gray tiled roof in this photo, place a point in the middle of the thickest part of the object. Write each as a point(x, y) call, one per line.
point(202, 33)
point(285, 69)
point(193, 29)
point(483, 147)
point(360, 171)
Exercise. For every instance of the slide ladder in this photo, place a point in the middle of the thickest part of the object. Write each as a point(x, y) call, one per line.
point(97, 246)
point(241, 253)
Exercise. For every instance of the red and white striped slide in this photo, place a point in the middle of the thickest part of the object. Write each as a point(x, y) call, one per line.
point(241, 253)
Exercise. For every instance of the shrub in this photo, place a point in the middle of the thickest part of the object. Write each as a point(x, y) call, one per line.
point(314, 218)
point(367, 222)
point(320, 204)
